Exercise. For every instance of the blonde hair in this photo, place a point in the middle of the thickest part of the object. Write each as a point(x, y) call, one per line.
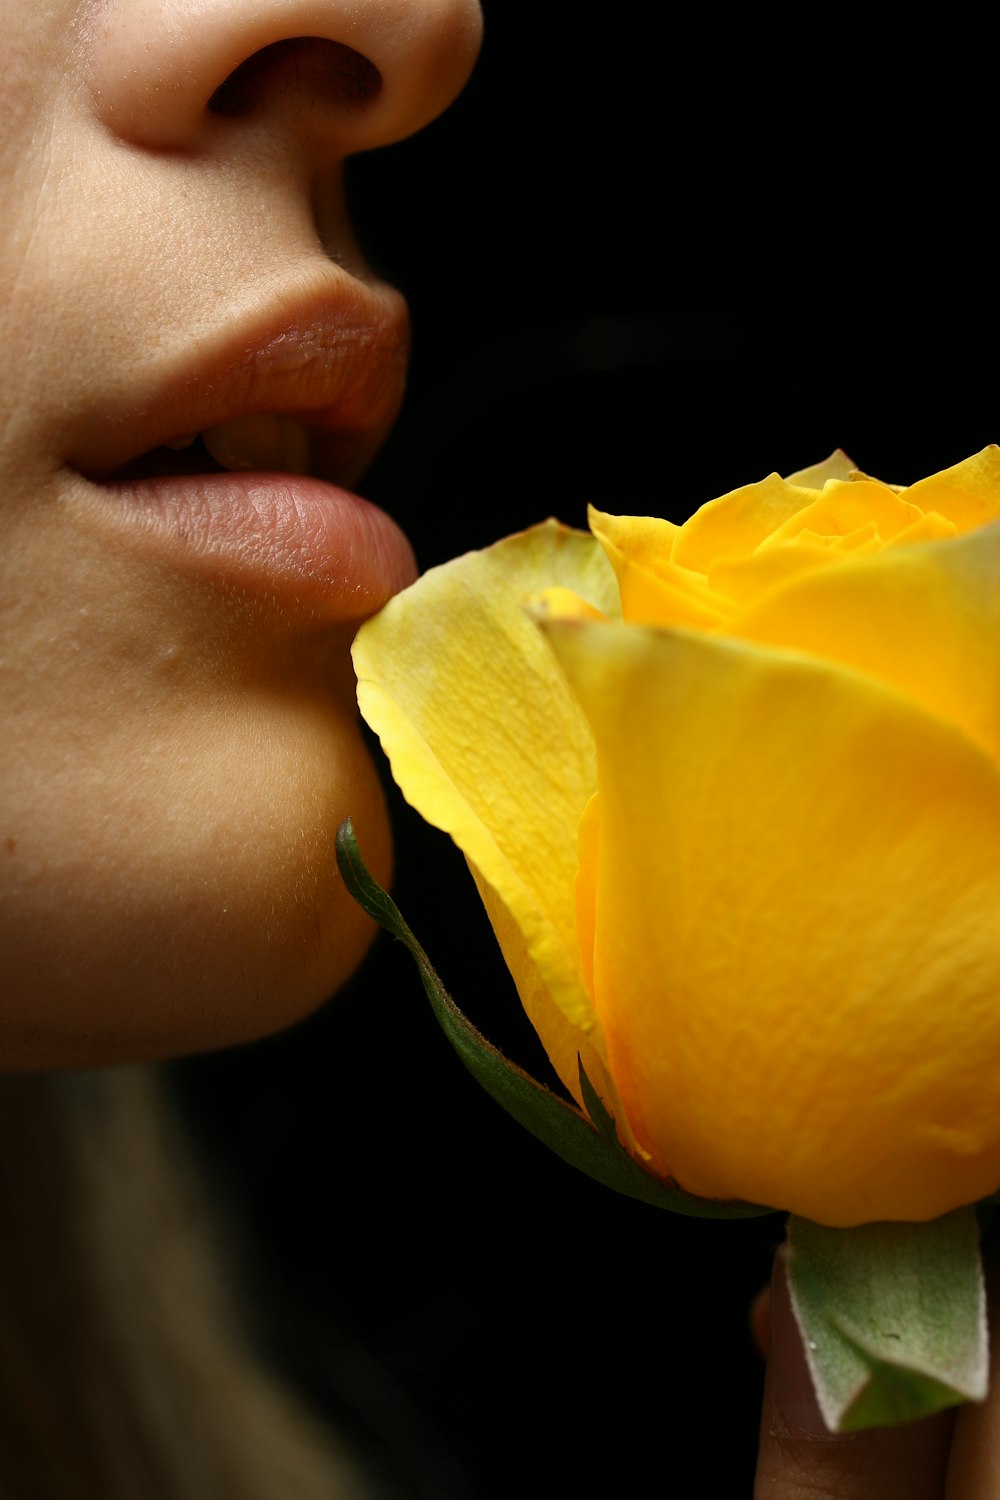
point(123, 1371)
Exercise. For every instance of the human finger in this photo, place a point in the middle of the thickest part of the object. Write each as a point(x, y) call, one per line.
point(799, 1459)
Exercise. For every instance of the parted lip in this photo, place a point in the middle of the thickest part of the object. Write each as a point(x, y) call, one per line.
point(332, 356)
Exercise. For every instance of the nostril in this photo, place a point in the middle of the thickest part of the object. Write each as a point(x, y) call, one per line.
point(312, 67)
point(342, 76)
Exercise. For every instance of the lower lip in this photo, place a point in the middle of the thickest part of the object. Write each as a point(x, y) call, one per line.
point(283, 534)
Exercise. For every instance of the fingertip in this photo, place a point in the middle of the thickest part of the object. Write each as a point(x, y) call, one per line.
point(800, 1458)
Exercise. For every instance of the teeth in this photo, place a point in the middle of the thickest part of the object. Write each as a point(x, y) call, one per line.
point(182, 442)
point(261, 442)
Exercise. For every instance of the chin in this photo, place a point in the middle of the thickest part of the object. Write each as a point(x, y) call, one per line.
point(158, 936)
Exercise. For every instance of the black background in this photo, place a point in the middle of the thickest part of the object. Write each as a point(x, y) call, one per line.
point(647, 262)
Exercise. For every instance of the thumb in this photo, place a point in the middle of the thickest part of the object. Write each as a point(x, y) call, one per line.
point(799, 1459)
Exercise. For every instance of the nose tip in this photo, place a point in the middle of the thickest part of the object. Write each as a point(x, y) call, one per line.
point(160, 70)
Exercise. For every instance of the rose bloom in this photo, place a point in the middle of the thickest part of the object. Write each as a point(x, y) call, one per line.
point(730, 793)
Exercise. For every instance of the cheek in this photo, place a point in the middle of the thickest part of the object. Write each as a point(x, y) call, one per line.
point(167, 872)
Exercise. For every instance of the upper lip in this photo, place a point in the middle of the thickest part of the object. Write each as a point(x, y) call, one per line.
point(333, 357)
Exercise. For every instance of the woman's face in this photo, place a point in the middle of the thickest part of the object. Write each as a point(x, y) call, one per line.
point(195, 361)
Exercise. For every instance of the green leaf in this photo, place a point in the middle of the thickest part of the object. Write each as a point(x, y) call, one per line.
point(893, 1317)
point(593, 1148)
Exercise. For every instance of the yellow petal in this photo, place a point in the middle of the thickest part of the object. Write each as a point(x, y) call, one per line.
point(924, 619)
point(586, 888)
point(487, 742)
point(837, 466)
point(646, 540)
point(929, 527)
point(744, 579)
point(737, 523)
point(654, 589)
point(844, 508)
point(797, 953)
point(563, 604)
point(968, 494)
point(566, 1044)
point(865, 538)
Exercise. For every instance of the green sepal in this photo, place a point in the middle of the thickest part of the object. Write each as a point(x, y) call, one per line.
point(591, 1147)
point(893, 1317)
point(601, 1117)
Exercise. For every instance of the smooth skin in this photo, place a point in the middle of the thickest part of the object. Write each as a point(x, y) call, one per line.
point(177, 754)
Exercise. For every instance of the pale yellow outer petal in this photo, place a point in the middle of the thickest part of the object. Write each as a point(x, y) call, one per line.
point(797, 954)
point(566, 1045)
point(968, 494)
point(487, 742)
point(923, 618)
point(837, 466)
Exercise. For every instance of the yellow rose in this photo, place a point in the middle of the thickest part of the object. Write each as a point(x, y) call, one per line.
point(731, 794)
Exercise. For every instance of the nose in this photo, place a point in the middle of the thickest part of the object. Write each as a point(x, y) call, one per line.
point(377, 70)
